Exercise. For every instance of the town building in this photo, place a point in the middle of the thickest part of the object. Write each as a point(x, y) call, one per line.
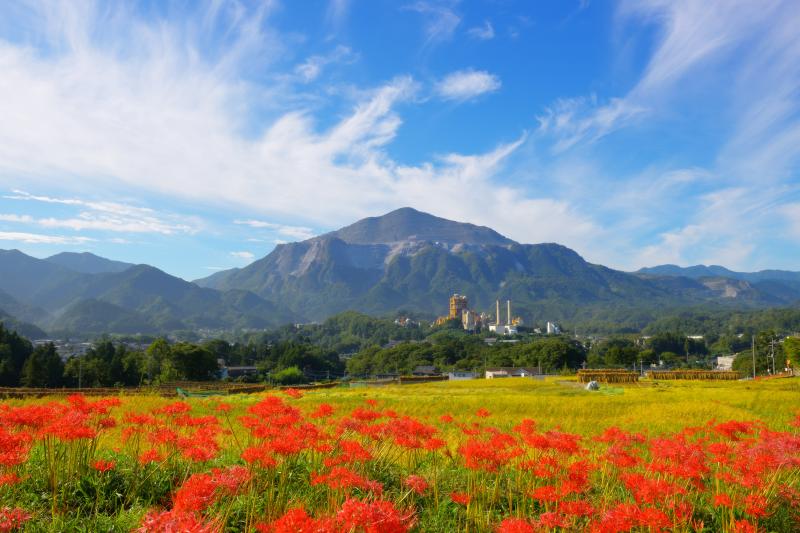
point(460, 375)
point(426, 370)
point(510, 372)
point(725, 362)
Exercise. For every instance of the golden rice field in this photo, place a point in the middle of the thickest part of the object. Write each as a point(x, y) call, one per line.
point(508, 455)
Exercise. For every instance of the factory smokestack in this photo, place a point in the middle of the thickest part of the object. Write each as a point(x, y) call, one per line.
point(497, 313)
point(508, 303)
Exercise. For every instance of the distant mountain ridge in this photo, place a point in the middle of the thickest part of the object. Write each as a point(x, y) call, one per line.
point(139, 298)
point(87, 263)
point(702, 271)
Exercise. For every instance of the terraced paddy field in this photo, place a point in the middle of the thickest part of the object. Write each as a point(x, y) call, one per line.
point(511, 455)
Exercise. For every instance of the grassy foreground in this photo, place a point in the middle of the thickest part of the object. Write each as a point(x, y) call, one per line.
point(512, 455)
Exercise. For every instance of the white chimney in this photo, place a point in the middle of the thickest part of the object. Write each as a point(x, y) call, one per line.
point(508, 303)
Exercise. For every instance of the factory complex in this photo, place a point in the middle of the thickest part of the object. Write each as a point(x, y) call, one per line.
point(473, 321)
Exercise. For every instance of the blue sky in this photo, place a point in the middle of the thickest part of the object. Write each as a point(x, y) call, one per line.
point(196, 136)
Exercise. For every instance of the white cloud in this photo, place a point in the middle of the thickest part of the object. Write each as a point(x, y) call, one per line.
point(103, 216)
point(36, 238)
point(483, 33)
point(159, 120)
point(441, 20)
point(297, 232)
point(465, 85)
point(312, 67)
point(572, 120)
point(247, 256)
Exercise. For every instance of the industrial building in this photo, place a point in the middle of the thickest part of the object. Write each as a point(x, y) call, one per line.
point(473, 321)
point(510, 327)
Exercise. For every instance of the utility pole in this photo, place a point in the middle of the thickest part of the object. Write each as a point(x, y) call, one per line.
point(80, 372)
point(753, 339)
point(772, 353)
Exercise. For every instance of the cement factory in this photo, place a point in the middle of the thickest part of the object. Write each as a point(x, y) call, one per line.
point(474, 321)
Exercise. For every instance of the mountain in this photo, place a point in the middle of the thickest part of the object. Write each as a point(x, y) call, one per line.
point(23, 328)
point(407, 224)
point(140, 298)
point(777, 285)
point(87, 263)
point(413, 261)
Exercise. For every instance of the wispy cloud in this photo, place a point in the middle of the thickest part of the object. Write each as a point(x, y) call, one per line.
point(573, 120)
point(37, 238)
point(483, 33)
point(312, 67)
point(102, 216)
point(465, 85)
point(296, 232)
point(441, 19)
point(246, 256)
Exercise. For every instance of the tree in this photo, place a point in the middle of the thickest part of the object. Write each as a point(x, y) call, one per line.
point(289, 376)
point(193, 362)
point(791, 350)
point(43, 368)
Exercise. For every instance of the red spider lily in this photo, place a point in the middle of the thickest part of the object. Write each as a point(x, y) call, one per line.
point(621, 457)
point(648, 490)
point(371, 402)
point(379, 516)
point(293, 393)
point(103, 466)
point(755, 505)
point(482, 413)
point(259, 455)
point(416, 483)
point(14, 447)
point(515, 525)
point(365, 415)
point(150, 456)
point(654, 519)
point(186, 420)
point(176, 521)
point(231, 479)
point(323, 411)
point(576, 508)
point(743, 526)
point(553, 440)
point(615, 435)
point(722, 500)
point(222, 407)
point(552, 520)
point(461, 498)
point(99, 407)
point(174, 409)
point(341, 478)
point(489, 455)
point(9, 479)
point(446, 419)
point(410, 433)
point(734, 429)
point(11, 519)
point(546, 494)
point(196, 494)
point(350, 451)
point(297, 521)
